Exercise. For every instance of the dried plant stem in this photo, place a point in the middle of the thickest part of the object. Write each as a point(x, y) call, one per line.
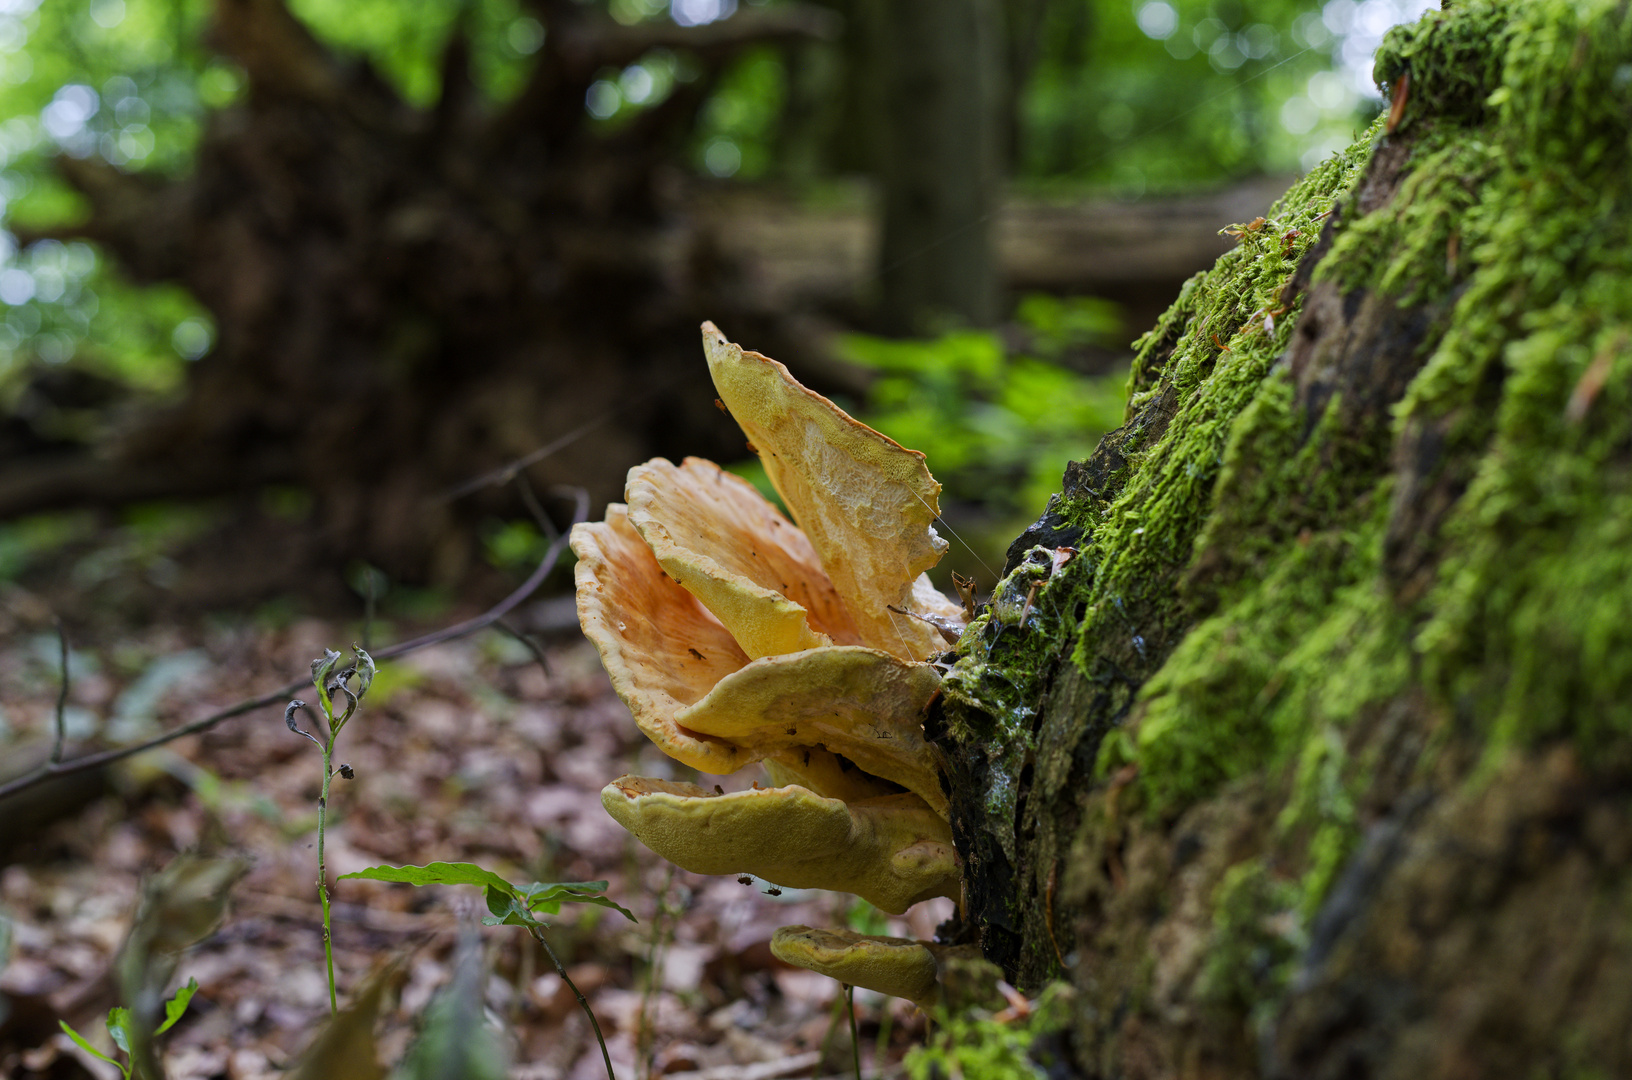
point(538, 936)
point(323, 871)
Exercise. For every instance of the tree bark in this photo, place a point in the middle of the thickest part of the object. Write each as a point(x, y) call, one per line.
point(1298, 736)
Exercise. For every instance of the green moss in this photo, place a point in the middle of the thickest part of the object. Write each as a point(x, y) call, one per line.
point(1516, 210)
point(1264, 574)
point(1513, 221)
point(1415, 252)
point(1210, 353)
point(1256, 938)
point(1230, 419)
point(1531, 618)
point(972, 1042)
point(1232, 330)
point(1004, 656)
point(1454, 58)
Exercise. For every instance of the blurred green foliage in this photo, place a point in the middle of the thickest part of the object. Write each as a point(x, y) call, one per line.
point(1123, 95)
point(404, 39)
point(738, 133)
point(996, 428)
point(129, 81)
point(513, 544)
point(140, 541)
point(1159, 95)
point(26, 539)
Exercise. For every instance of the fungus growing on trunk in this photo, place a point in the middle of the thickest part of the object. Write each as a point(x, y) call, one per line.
point(892, 849)
point(914, 970)
point(735, 637)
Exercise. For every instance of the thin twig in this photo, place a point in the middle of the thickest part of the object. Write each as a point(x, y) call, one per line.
point(530, 500)
point(526, 639)
point(504, 607)
point(62, 700)
point(538, 936)
point(281, 695)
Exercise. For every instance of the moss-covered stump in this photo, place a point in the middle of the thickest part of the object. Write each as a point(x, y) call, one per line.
point(1299, 733)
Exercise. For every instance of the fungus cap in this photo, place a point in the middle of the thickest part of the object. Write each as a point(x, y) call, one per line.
point(892, 851)
point(694, 692)
point(718, 537)
point(862, 703)
point(825, 773)
point(889, 965)
point(661, 648)
point(867, 504)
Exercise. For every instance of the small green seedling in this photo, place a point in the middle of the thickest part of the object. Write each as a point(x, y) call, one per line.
point(122, 1027)
point(328, 682)
point(513, 905)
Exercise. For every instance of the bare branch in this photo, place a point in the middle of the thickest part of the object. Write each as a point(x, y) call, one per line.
point(532, 645)
point(529, 499)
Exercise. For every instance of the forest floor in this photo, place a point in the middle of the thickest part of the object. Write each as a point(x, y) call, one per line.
point(466, 751)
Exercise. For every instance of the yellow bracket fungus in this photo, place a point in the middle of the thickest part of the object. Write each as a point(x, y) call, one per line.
point(892, 849)
point(861, 703)
point(889, 965)
point(867, 503)
point(718, 537)
point(736, 636)
point(661, 648)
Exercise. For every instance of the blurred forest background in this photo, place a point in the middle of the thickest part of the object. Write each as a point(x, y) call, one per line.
point(321, 309)
point(282, 285)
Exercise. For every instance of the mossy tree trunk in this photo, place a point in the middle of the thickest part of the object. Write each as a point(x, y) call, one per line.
point(1309, 755)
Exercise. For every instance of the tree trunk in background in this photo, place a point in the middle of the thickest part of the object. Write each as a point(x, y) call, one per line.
point(1299, 735)
point(941, 152)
